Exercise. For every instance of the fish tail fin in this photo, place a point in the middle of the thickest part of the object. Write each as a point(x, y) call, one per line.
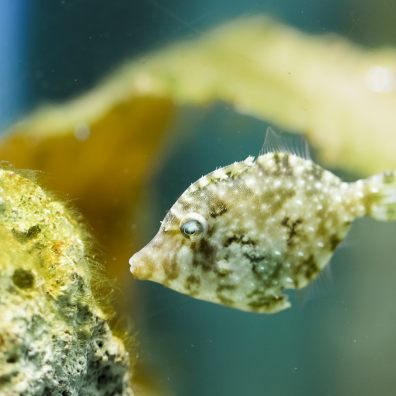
point(379, 196)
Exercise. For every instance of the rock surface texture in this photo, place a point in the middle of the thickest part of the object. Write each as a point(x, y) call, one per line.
point(54, 338)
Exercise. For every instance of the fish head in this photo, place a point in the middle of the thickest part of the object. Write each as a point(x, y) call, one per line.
point(171, 257)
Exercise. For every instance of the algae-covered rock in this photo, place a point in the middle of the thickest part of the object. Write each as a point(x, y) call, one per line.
point(54, 338)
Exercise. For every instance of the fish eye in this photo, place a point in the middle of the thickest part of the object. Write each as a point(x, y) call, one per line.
point(193, 225)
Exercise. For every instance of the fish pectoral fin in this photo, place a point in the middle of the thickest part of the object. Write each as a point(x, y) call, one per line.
point(319, 287)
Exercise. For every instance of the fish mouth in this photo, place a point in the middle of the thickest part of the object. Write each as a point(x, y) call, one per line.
point(148, 263)
point(157, 261)
point(141, 266)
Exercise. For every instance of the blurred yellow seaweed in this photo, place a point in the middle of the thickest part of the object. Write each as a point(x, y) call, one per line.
point(341, 96)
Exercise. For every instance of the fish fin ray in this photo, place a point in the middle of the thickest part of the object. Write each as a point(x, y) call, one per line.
point(275, 142)
point(319, 287)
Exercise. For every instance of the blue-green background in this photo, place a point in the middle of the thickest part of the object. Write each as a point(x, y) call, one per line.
point(339, 341)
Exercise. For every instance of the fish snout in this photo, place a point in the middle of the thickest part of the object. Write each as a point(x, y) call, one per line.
point(142, 265)
point(150, 263)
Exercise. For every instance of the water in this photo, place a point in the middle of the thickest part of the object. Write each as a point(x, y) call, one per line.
point(338, 343)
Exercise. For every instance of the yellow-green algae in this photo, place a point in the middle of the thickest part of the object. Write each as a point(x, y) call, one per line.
point(54, 338)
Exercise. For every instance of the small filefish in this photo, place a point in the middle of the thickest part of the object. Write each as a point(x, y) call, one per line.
point(243, 234)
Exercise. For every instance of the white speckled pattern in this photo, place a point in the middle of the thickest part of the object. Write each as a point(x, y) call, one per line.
point(269, 225)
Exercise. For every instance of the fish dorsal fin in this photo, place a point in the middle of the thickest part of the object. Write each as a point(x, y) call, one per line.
point(275, 142)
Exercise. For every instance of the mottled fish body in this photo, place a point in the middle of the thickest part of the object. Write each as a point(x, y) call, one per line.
point(244, 233)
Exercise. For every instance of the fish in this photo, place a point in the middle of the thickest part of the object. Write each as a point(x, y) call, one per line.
point(245, 234)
